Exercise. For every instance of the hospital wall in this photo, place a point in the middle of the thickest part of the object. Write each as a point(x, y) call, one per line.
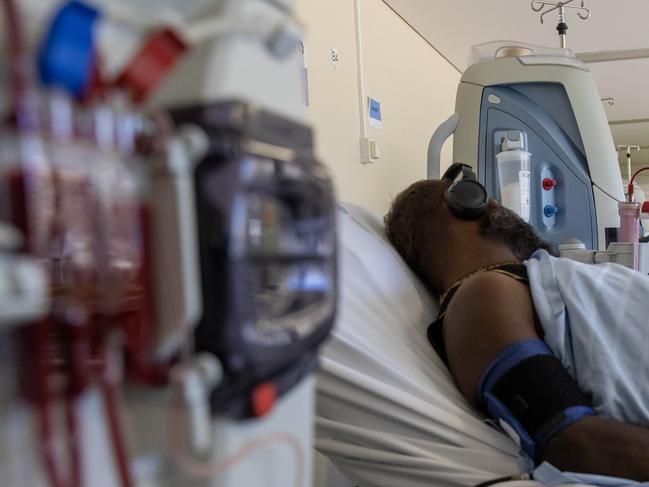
point(414, 83)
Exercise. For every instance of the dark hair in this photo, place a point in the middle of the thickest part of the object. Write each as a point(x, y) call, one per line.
point(502, 225)
point(410, 215)
point(408, 224)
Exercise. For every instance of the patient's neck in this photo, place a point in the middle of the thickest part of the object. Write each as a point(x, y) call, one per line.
point(462, 256)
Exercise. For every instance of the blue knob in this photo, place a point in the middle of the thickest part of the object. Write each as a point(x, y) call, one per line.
point(68, 54)
point(550, 210)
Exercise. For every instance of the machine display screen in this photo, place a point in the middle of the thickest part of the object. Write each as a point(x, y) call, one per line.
point(289, 248)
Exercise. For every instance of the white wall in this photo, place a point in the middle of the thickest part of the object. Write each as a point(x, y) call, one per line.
point(416, 87)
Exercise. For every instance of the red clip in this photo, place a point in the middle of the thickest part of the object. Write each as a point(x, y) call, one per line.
point(263, 398)
point(549, 183)
point(645, 207)
point(151, 64)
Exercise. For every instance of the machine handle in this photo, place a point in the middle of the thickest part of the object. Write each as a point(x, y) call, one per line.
point(443, 132)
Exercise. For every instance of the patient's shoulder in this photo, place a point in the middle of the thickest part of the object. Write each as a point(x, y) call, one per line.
point(492, 304)
point(489, 312)
point(493, 293)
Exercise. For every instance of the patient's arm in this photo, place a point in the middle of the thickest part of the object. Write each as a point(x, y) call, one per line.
point(491, 311)
point(602, 446)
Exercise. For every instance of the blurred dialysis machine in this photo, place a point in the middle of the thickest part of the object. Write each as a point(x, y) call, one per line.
point(531, 119)
point(167, 248)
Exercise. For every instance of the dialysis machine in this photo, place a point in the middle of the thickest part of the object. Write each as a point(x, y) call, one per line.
point(167, 250)
point(530, 120)
point(536, 111)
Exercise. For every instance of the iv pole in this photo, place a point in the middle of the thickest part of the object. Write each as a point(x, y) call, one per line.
point(562, 28)
point(628, 149)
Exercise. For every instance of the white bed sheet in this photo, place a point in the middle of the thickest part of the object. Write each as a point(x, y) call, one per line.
point(388, 412)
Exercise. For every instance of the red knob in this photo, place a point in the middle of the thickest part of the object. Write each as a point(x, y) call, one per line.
point(549, 183)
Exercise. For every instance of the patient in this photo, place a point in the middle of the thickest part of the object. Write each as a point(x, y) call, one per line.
point(486, 312)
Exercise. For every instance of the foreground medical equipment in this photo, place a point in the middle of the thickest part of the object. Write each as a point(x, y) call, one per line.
point(267, 239)
point(105, 222)
point(466, 198)
point(24, 295)
point(145, 227)
point(532, 395)
point(546, 100)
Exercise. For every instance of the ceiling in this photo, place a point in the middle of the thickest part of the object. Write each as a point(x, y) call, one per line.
point(453, 26)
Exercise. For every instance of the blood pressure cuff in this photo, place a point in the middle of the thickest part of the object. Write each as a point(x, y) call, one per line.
point(530, 391)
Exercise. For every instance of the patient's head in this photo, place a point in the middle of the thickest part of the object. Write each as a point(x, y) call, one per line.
point(430, 239)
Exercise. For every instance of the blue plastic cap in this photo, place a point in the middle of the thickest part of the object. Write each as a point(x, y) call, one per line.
point(550, 210)
point(67, 55)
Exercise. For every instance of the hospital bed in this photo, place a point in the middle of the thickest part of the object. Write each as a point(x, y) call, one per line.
point(388, 411)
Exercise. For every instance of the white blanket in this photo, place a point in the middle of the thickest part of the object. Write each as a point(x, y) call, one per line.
point(596, 320)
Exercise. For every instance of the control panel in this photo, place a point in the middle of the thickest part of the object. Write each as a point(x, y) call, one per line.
point(548, 198)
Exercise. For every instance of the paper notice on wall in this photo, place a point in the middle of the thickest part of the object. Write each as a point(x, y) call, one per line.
point(376, 118)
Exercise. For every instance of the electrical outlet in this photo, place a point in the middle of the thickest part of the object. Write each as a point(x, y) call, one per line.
point(370, 151)
point(335, 57)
